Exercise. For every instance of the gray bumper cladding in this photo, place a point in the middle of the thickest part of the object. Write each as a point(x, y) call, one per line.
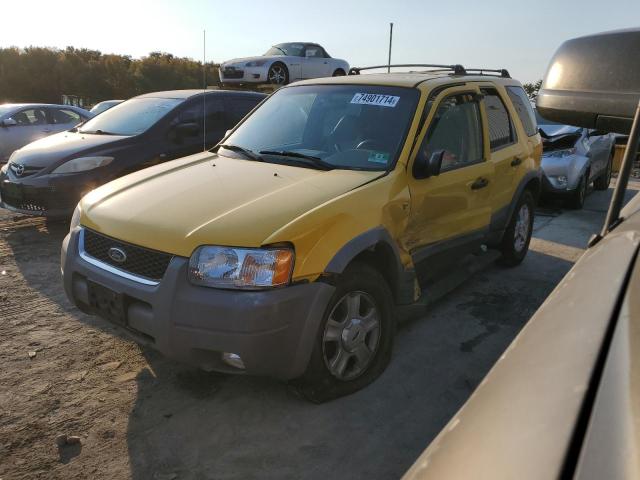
point(273, 331)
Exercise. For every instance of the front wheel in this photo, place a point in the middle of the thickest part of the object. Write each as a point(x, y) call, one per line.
point(278, 74)
point(603, 181)
point(577, 198)
point(354, 341)
point(517, 237)
point(339, 73)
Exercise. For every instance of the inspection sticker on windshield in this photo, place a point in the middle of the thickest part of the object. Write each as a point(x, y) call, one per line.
point(379, 157)
point(375, 99)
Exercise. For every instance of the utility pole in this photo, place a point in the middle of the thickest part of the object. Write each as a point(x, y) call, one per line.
point(390, 41)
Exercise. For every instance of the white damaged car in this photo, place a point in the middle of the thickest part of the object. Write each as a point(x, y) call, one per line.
point(282, 64)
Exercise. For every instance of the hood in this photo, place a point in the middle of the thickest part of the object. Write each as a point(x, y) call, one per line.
point(555, 130)
point(205, 199)
point(244, 60)
point(51, 150)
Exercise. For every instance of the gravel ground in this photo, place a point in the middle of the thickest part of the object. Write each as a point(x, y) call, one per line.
point(140, 416)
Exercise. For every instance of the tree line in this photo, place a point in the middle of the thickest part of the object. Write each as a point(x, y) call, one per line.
point(43, 75)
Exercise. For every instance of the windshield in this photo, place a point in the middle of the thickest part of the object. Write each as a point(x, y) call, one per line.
point(290, 49)
point(358, 127)
point(131, 117)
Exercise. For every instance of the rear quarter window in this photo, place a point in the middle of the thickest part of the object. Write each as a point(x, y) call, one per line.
point(522, 104)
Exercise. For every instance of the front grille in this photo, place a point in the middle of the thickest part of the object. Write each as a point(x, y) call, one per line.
point(39, 200)
point(232, 73)
point(139, 261)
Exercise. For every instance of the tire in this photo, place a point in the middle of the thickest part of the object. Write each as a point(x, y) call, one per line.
point(278, 74)
point(604, 180)
point(338, 73)
point(576, 201)
point(516, 239)
point(335, 369)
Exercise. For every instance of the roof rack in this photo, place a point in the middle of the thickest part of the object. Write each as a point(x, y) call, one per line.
point(457, 69)
point(501, 72)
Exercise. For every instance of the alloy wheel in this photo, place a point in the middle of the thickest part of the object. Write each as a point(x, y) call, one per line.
point(277, 75)
point(521, 231)
point(351, 336)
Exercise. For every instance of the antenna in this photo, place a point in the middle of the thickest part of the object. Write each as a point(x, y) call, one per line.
point(204, 90)
point(390, 41)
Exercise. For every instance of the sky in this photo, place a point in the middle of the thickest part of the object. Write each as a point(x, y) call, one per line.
point(519, 36)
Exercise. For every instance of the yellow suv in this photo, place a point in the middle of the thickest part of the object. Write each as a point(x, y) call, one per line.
point(285, 250)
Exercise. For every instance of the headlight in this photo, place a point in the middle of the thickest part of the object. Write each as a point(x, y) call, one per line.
point(560, 153)
point(561, 179)
point(83, 164)
point(13, 155)
point(241, 268)
point(75, 218)
point(4, 168)
point(255, 63)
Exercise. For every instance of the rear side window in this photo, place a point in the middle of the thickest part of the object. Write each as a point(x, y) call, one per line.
point(501, 131)
point(237, 108)
point(523, 107)
point(65, 116)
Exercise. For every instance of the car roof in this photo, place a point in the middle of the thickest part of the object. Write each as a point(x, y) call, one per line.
point(406, 79)
point(36, 105)
point(184, 94)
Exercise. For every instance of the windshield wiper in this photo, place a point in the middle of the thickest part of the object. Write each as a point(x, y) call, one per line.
point(244, 151)
point(96, 132)
point(286, 153)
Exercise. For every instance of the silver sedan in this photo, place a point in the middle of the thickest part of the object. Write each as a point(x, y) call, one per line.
point(573, 158)
point(23, 123)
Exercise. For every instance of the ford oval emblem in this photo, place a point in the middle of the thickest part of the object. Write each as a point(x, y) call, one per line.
point(117, 255)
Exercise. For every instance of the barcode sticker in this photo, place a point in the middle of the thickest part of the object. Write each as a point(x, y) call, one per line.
point(375, 99)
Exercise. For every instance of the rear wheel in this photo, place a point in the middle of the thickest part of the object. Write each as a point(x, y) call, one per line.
point(339, 73)
point(577, 197)
point(354, 341)
point(278, 74)
point(517, 237)
point(603, 181)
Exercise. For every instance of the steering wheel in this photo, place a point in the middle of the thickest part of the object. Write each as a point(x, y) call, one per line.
point(369, 144)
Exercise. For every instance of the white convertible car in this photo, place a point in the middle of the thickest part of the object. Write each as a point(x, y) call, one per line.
point(283, 63)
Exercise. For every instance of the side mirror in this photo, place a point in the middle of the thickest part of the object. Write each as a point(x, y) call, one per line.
point(8, 122)
point(593, 82)
point(425, 167)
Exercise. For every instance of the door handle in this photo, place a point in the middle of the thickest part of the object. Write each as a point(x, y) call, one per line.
point(516, 161)
point(47, 130)
point(479, 183)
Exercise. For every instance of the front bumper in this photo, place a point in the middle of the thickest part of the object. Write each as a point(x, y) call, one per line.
point(550, 186)
point(42, 195)
point(245, 75)
point(273, 331)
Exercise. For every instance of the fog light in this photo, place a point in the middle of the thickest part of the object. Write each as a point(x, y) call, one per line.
point(233, 360)
point(562, 180)
point(256, 75)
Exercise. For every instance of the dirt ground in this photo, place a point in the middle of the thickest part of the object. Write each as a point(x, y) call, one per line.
point(141, 416)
